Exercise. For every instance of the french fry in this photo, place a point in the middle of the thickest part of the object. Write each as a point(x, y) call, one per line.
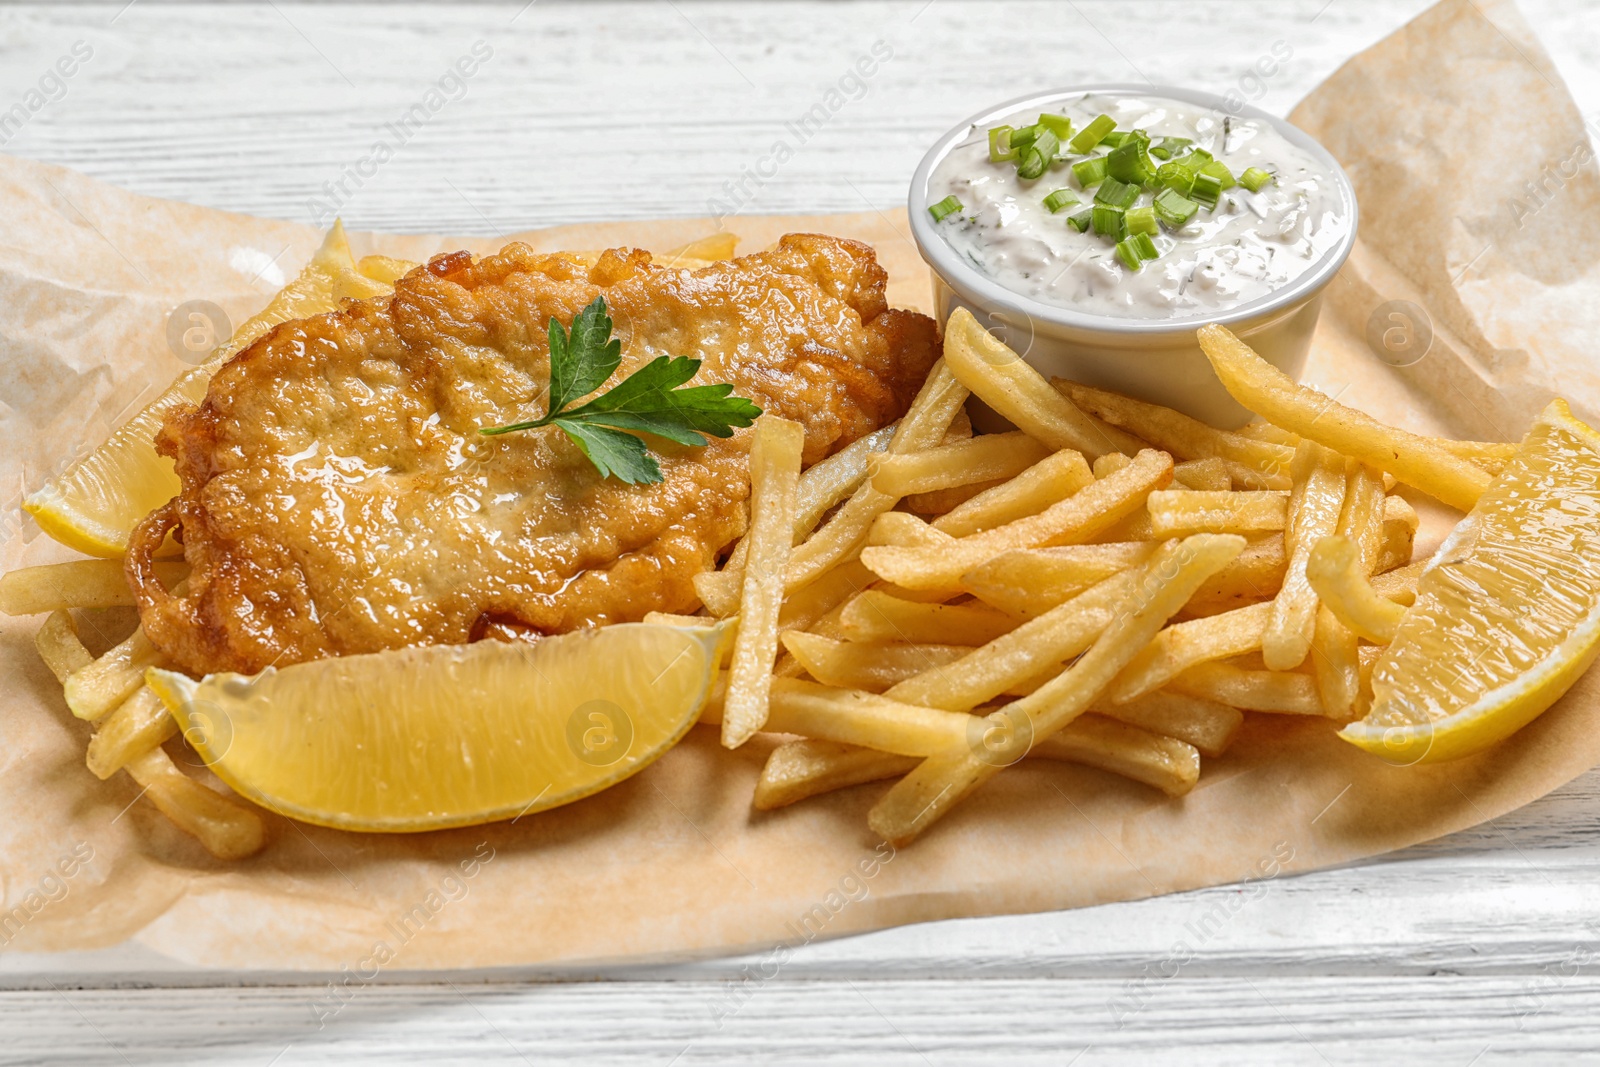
point(1252, 463)
point(1073, 520)
point(1260, 429)
point(1336, 667)
point(1000, 378)
point(851, 716)
point(59, 647)
point(1416, 460)
point(821, 486)
point(807, 768)
point(1492, 456)
point(1318, 498)
point(905, 531)
point(1111, 463)
point(1400, 585)
point(1283, 692)
point(1206, 475)
point(1187, 644)
point(719, 591)
point(841, 537)
point(960, 427)
point(1180, 512)
point(942, 781)
point(977, 459)
point(774, 474)
point(83, 583)
point(1205, 724)
point(1166, 763)
point(1258, 572)
point(798, 770)
point(1255, 576)
point(667, 618)
point(1052, 479)
point(138, 725)
point(1335, 661)
point(1031, 581)
point(227, 829)
point(920, 596)
point(872, 667)
point(1012, 660)
point(877, 616)
point(803, 609)
point(826, 482)
point(942, 500)
point(94, 690)
point(1335, 572)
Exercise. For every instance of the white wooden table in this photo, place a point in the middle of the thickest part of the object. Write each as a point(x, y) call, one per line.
point(1474, 949)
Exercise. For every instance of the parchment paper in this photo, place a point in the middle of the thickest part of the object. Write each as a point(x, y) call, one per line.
point(674, 862)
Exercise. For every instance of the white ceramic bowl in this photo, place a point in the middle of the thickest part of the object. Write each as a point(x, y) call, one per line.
point(1158, 360)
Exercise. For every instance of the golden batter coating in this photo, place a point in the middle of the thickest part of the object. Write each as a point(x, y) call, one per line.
point(337, 498)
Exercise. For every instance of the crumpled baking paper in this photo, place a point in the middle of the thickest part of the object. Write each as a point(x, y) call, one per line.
point(674, 862)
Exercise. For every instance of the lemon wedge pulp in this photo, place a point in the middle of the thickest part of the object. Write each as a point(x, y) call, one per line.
point(97, 502)
point(448, 735)
point(1507, 614)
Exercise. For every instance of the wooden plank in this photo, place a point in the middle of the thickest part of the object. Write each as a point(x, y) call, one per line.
point(1547, 1018)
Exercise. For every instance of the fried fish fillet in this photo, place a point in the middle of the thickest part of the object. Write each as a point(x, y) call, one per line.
point(338, 499)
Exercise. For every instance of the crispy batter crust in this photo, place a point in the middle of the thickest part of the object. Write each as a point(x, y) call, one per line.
point(337, 498)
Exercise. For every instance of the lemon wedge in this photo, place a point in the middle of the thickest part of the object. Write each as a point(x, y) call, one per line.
point(1507, 614)
point(449, 735)
point(96, 502)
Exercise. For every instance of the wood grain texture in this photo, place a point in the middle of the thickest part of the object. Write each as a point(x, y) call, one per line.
point(1476, 948)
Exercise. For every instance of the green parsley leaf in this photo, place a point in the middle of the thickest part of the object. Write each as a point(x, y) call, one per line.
point(614, 454)
point(647, 401)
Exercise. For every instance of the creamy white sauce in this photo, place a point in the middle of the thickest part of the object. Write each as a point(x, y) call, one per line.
point(1249, 246)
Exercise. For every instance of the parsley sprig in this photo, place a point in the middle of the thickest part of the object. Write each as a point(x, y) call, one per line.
point(647, 401)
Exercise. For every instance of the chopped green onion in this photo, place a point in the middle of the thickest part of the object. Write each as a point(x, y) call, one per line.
point(1128, 252)
point(1141, 220)
point(1197, 158)
point(1219, 171)
point(1116, 193)
point(1024, 136)
point(1207, 187)
point(1136, 250)
point(1000, 146)
point(1059, 199)
point(1174, 208)
point(1035, 159)
point(1130, 162)
point(1254, 178)
point(1177, 177)
point(1108, 220)
point(1090, 171)
point(1114, 139)
point(1082, 220)
point(1059, 125)
point(948, 206)
point(1093, 134)
point(1170, 146)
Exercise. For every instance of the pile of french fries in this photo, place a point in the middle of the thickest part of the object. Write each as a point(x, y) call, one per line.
point(1114, 584)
